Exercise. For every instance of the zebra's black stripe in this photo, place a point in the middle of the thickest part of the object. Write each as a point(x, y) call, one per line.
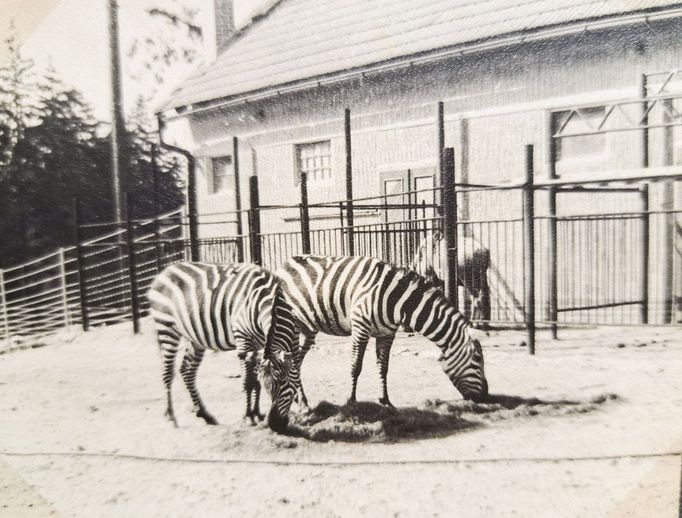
point(365, 297)
point(227, 307)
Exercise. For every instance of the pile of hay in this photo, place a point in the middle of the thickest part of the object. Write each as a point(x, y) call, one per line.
point(365, 421)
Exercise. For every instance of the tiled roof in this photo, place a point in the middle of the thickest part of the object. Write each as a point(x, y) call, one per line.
point(302, 39)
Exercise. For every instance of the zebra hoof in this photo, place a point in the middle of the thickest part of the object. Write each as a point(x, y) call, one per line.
point(260, 416)
point(171, 417)
point(210, 420)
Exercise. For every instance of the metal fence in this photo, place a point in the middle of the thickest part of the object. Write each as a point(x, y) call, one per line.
point(525, 263)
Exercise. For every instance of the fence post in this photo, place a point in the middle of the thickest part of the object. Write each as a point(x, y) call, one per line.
point(192, 208)
point(644, 120)
point(305, 216)
point(3, 301)
point(254, 222)
point(349, 184)
point(80, 260)
point(645, 254)
point(553, 255)
point(157, 209)
point(238, 199)
point(449, 199)
point(65, 296)
point(529, 248)
point(440, 124)
point(132, 264)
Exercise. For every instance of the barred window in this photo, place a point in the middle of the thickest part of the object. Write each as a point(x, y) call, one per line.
point(315, 160)
point(222, 176)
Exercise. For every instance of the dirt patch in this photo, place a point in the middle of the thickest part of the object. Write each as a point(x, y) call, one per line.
point(365, 421)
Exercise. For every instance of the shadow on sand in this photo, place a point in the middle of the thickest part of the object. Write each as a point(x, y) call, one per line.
point(366, 421)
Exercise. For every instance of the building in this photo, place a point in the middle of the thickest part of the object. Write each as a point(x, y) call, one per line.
point(509, 72)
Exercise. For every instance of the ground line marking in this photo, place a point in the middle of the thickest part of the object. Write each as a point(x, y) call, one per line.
point(127, 456)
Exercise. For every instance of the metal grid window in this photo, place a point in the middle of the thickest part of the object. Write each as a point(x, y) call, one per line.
point(222, 176)
point(315, 160)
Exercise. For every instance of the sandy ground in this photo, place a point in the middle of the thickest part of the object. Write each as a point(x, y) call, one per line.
point(83, 434)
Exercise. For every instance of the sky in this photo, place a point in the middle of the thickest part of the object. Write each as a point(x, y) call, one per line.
point(71, 35)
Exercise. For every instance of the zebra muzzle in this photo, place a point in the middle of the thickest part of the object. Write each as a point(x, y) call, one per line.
point(277, 422)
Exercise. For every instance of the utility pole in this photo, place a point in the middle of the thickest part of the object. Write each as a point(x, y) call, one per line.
point(117, 119)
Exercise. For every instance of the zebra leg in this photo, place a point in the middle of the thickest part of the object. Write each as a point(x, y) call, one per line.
point(308, 342)
point(383, 347)
point(169, 344)
point(190, 366)
point(256, 401)
point(249, 361)
point(359, 345)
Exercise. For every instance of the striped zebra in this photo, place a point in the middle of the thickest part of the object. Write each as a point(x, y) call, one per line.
point(364, 297)
point(227, 307)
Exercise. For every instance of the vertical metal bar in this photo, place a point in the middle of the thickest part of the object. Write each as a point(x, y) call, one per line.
point(192, 208)
point(668, 204)
point(132, 263)
point(157, 209)
point(65, 296)
point(644, 121)
point(3, 301)
point(254, 216)
point(80, 260)
point(343, 241)
point(237, 197)
point(449, 198)
point(305, 216)
point(349, 183)
point(552, 299)
point(644, 296)
point(529, 240)
point(440, 125)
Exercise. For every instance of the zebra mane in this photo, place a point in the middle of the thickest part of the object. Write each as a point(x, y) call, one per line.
point(276, 303)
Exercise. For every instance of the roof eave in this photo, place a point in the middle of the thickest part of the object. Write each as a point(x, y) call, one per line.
point(501, 41)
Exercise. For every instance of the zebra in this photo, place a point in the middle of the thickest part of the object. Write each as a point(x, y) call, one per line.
point(364, 297)
point(473, 262)
point(227, 307)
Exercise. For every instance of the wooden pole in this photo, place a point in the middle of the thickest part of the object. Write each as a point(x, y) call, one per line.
point(238, 199)
point(117, 119)
point(80, 260)
point(529, 248)
point(449, 197)
point(349, 183)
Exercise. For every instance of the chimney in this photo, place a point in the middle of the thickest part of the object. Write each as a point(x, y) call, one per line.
point(224, 23)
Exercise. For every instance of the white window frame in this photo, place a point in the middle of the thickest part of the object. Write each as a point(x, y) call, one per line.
point(318, 162)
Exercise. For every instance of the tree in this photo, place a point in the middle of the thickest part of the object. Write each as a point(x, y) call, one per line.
point(56, 153)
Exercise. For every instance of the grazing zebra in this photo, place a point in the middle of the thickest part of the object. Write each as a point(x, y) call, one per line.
point(227, 307)
point(364, 297)
point(473, 262)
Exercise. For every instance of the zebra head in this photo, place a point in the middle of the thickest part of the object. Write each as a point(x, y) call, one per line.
point(279, 369)
point(464, 367)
